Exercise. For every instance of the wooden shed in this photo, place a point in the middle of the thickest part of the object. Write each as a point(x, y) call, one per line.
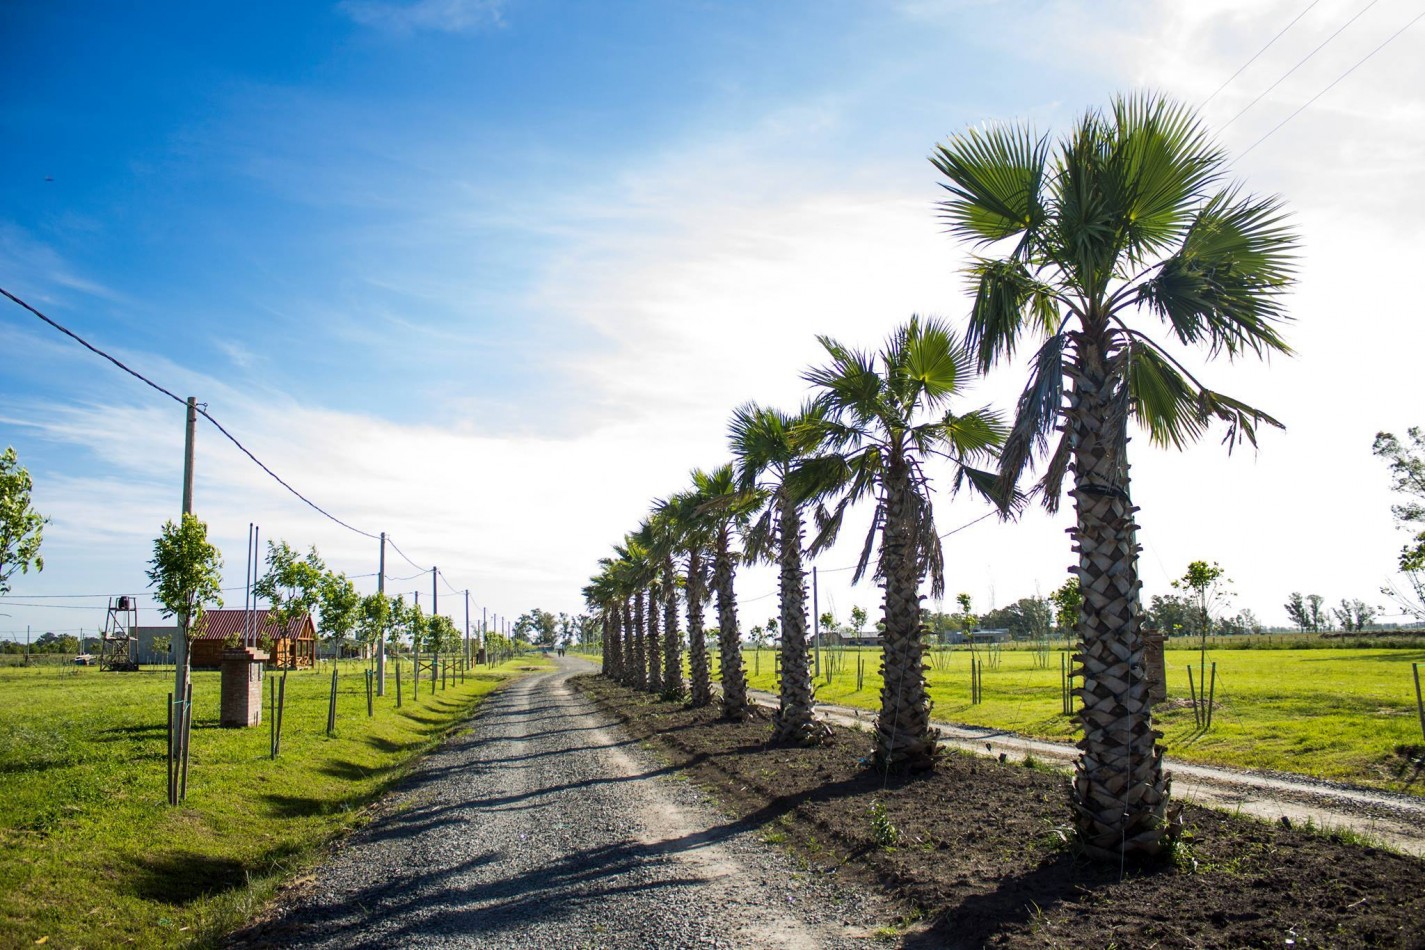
point(294, 647)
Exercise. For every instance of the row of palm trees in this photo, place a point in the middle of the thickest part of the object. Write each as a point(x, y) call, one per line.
point(1128, 216)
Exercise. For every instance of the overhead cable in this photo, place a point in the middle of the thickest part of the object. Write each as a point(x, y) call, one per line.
point(202, 411)
point(1249, 62)
point(1301, 62)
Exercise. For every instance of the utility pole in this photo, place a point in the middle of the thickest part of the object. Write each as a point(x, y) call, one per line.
point(381, 640)
point(815, 625)
point(434, 594)
point(180, 648)
point(467, 625)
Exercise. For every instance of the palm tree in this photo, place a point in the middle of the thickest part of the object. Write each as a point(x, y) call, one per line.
point(687, 533)
point(646, 595)
point(729, 508)
point(666, 541)
point(1127, 216)
point(885, 416)
point(770, 451)
point(629, 584)
point(601, 595)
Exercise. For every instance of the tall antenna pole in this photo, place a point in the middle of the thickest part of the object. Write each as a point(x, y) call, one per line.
point(381, 640)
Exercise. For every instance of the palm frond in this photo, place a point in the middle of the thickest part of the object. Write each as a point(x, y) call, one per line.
point(995, 175)
point(1009, 301)
point(1226, 283)
point(1036, 415)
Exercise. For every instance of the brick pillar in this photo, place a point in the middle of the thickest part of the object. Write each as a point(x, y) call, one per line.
point(242, 687)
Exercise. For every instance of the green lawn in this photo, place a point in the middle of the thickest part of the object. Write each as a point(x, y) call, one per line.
point(1331, 713)
point(91, 854)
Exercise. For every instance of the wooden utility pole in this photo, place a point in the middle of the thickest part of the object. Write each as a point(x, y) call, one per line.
point(381, 640)
point(180, 648)
point(467, 625)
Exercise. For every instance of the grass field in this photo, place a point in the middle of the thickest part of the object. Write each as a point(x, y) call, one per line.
point(91, 854)
point(1341, 714)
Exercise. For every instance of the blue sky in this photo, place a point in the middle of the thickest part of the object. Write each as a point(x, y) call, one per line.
point(491, 274)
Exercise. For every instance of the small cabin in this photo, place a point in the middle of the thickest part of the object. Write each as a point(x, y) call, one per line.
point(294, 646)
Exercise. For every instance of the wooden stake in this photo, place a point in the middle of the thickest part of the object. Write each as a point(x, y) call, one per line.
point(1211, 693)
point(1196, 712)
point(281, 708)
point(398, 683)
point(331, 705)
point(1419, 703)
point(172, 796)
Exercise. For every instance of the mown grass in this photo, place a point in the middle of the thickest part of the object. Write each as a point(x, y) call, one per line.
point(90, 853)
point(1341, 714)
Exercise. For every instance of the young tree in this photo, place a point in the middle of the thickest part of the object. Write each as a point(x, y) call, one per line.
point(1354, 615)
point(1126, 217)
point(185, 573)
point(373, 619)
point(292, 584)
point(1172, 614)
point(21, 527)
point(340, 606)
point(1407, 469)
point(1068, 600)
point(858, 619)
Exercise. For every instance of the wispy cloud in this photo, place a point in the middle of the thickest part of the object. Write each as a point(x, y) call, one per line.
point(444, 16)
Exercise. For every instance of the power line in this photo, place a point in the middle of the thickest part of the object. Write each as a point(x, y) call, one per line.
point(1323, 92)
point(1299, 64)
point(1249, 62)
point(423, 570)
point(203, 411)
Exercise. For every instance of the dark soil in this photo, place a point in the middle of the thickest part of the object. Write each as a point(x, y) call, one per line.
point(984, 854)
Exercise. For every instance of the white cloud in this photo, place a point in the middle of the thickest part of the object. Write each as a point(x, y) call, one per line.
point(446, 16)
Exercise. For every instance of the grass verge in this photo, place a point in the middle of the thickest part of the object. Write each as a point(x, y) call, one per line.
point(90, 853)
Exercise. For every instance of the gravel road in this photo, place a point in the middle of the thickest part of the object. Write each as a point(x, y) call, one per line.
point(544, 826)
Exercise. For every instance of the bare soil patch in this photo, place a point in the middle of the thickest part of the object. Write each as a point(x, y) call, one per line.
point(983, 855)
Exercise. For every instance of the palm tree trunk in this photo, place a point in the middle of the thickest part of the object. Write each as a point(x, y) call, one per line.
point(638, 676)
point(1120, 790)
point(734, 683)
point(697, 643)
point(903, 736)
point(796, 717)
point(672, 637)
point(611, 645)
point(654, 645)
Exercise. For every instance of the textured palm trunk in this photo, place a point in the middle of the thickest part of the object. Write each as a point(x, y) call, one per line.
point(734, 683)
point(701, 682)
point(903, 736)
point(1120, 789)
point(611, 643)
point(796, 718)
point(654, 644)
point(672, 637)
point(638, 676)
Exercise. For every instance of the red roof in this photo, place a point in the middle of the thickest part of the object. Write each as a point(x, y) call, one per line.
point(221, 624)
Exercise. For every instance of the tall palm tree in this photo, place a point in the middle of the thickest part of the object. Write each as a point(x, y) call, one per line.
point(770, 453)
point(601, 595)
point(1128, 216)
point(666, 541)
point(729, 508)
point(885, 416)
point(687, 534)
point(645, 604)
point(629, 583)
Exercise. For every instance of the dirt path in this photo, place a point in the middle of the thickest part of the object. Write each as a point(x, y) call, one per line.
point(1396, 820)
point(544, 826)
